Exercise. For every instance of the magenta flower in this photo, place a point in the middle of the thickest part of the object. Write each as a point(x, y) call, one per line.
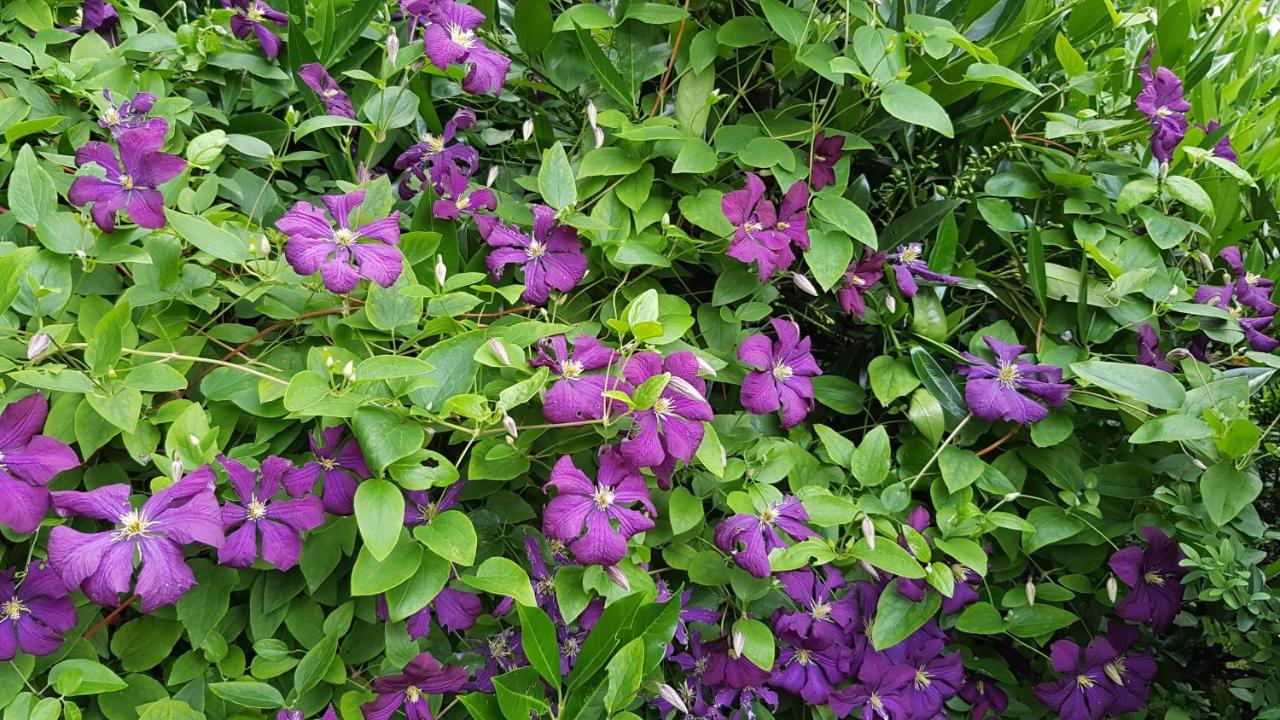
point(755, 238)
point(322, 84)
point(749, 538)
point(261, 519)
point(1154, 577)
point(251, 18)
point(793, 219)
point(439, 160)
point(909, 265)
point(781, 376)
point(1149, 349)
point(28, 461)
point(576, 396)
point(827, 151)
point(858, 279)
point(422, 677)
point(819, 617)
point(810, 668)
point(982, 693)
point(131, 115)
point(1162, 102)
point(995, 392)
point(34, 613)
point(550, 260)
point(671, 429)
point(339, 460)
point(314, 245)
point(131, 179)
point(450, 39)
point(584, 512)
point(937, 676)
point(879, 693)
point(457, 201)
point(1084, 691)
point(102, 564)
point(1223, 147)
point(421, 509)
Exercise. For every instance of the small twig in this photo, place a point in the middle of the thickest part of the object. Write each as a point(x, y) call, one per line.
point(991, 448)
point(671, 63)
point(111, 616)
point(509, 311)
point(267, 331)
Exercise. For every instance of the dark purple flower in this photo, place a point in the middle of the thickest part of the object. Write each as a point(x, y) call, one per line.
point(322, 84)
point(1249, 289)
point(1149, 349)
point(1084, 691)
point(503, 652)
point(457, 201)
point(820, 616)
point(755, 238)
point(456, 611)
point(97, 16)
point(251, 18)
point(339, 460)
point(782, 371)
point(35, 613)
point(671, 429)
point(937, 675)
point(858, 279)
point(726, 668)
point(28, 461)
point(982, 693)
point(749, 538)
point(542, 579)
point(1162, 102)
point(909, 265)
point(422, 677)
point(102, 564)
point(131, 179)
point(439, 160)
point(810, 668)
point(286, 714)
point(1258, 340)
point(827, 151)
point(1130, 674)
point(995, 392)
point(260, 520)
point(689, 613)
point(1154, 578)
point(576, 396)
point(879, 693)
point(314, 245)
point(450, 39)
point(131, 115)
point(1223, 147)
point(860, 603)
point(421, 509)
point(550, 260)
point(583, 513)
point(793, 217)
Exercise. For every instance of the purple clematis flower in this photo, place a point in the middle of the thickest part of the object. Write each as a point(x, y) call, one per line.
point(879, 693)
point(439, 160)
point(862, 600)
point(322, 84)
point(1130, 674)
point(1249, 289)
point(810, 668)
point(131, 115)
point(725, 668)
point(550, 260)
point(420, 509)
point(457, 201)
point(1084, 691)
point(102, 564)
point(858, 279)
point(28, 461)
point(97, 16)
point(1162, 102)
point(576, 396)
point(1258, 340)
point(34, 613)
point(251, 18)
point(456, 611)
point(982, 693)
point(782, 371)
point(793, 218)
point(821, 618)
point(671, 429)
point(131, 179)
point(340, 461)
point(450, 39)
point(502, 652)
point(260, 520)
point(937, 676)
point(827, 151)
point(1149, 349)
point(286, 714)
point(542, 579)
point(1154, 577)
point(337, 254)
point(995, 392)
point(422, 677)
point(1223, 147)
point(755, 238)
point(583, 512)
point(909, 265)
point(749, 538)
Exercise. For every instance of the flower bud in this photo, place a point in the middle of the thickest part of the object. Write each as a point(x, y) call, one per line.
point(349, 371)
point(175, 467)
point(704, 367)
point(668, 693)
point(617, 577)
point(804, 283)
point(1067, 335)
point(442, 272)
point(599, 137)
point(195, 441)
point(592, 113)
point(1177, 354)
point(869, 531)
point(1030, 589)
point(393, 46)
point(1113, 588)
point(509, 425)
point(526, 130)
point(499, 351)
point(493, 175)
point(37, 345)
point(1012, 496)
point(683, 387)
point(739, 641)
point(328, 361)
point(890, 303)
point(869, 570)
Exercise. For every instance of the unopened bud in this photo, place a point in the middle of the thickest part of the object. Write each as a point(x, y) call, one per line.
point(804, 283)
point(37, 345)
point(1030, 589)
point(509, 425)
point(1114, 673)
point(668, 693)
point(592, 113)
point(493, 175)
point(869, 570)
point(1067, 335)
point(328, 362)
point(1113, 588)
point(349, 371)
point(890, 303)
point(1174, 291)
point(599, 133)
point(526, 130)
point(1205, 260)
point(683, 387)
point(1199, 464)
point(393, 46)
point(666, 218)
point(442, 272)
point(739, 642)
point(704, 367)
point(195, 441)
point(617, 577)
point(1012, 496)
point(175, 467)
point(1177, 354)
point(869, 531)
point(499, 351)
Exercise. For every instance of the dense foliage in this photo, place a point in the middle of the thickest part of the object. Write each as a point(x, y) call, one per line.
point(770, 358)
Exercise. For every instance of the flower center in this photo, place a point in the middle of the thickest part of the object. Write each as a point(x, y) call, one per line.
point(329, 94)
point(571, 646)
point(802, 657)
point(782, 225)
point(875, 701)
point(1154, 578)
point(752, 227)
point(820, 611)
point(782, 372)
point(857, 280)
point(571, 369)
point(1008, 376)
point(255, 14)
point(327, 463)
point(498, 648)
point(557, 547)
point(463, 202)
point(126, 182)
point(13, 609)
point(909, 254)
point(131, 525)
point(435, 145)
point(2, 465)
point(465, 38)
point(257, 509)
point(1251, 278)
point(700, 666)
point(1163, 112)
point(1084, 681)
point(768, 515)
point(343, 236)
point(535, 250)
point(922, 679)
point(111, 116)
point(820, 158)
point(662, 406)
point(546, 586)
point(413, 693)
point(1115, 670)
point(603, 497)
point(428, 512)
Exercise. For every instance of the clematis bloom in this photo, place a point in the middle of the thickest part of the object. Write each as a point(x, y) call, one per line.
point(339, 461)
point(577, 395)
point(782, 371)
point(995, 392)
point(879, 693)
point(550, 260)
point(1222, 148)
point(28, 461)
point(909, 265)
point(34, 612)
point(827, 151)
point(671, 429)
point(131, 178)
point(749, 538)
point(261, 524)
point(439, 160)
point(322, 84)
point(1154, 577)
point(251, 18)
point(451, 39)
point(338, 254)
point(1083, 692)
point(131, 115)
point(422, 677)
point(1161, 100)
point(858, 279)
point(755, 239)
point(583, 512)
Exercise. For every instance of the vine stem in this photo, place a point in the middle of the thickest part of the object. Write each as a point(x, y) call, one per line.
point(193, 358)
point(111, 616)
point(1003, 438)
point(267, 331)
point(943, 446)
point(671, 63)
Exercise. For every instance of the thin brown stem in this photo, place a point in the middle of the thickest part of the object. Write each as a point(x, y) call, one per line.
point(671, 63)
point(111, 616)
point(1003, 438)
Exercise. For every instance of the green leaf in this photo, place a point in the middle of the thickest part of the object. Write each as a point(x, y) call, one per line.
point(1135, 192)
point(623, 675)
point(1000, 75)
point(370, 576)
point(143, 643)
point(938, 383)
point(1139, 382)
point(605, 72)
point(95, 678)
point(980, 619)
point(1039, 620)
point(451, 536)
point(380, 515)
point(390, 108)
point(913, 106)
point(556, 181)
point(889, 556)
point(538, 637)
point(30, 189)
point(1175, 427)
point(1227, 490)
point(532, 24)
point(500, 576)
point(1049, 525)
point(960, 468)
point(897, 617)
point(847, 216)
point(684, 510)
point(385, 437)
point(870, 462)
point(208, 237)
point(787, 22)
point(248, 694)
point(1190, 193)
point(311, 670)
point(891, 378)
point(828, 257)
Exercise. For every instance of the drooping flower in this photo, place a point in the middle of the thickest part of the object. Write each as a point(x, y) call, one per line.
point(1166, 109)
point(339, 256)
point(1258, 340)
point(820, 616)
point(671, 429)
point(550, 260)
point(749, 538)
point(858, 279)
point(1222, 148)
point(260, 524)
point(909, 265)
point(28, 461)
point(339, 460)
point(995, 392)
point(422, 677)
point(34, 612)
point(420, 508)
point(102, 564)
point(1084, 691)
point(457, 201)
point(576, 396)
point(982, 693)
point(827, 151)
point(542, 579)
point(451, 39)
point(322, 84)
point(879, 693)
point(439, 160)
point(1154, 577)
point(1149, 349)
point(937, 675)
point(131, 115)
point(1249, 289)
point(251, 18)
point(755, 239)
point(810, 668)
point(583, 512)
point(131, 179)
point(782, 371)
point(97, 16)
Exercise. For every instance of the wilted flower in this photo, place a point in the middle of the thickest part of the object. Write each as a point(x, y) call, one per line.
point(1154, 577)
point(749, 538)
point(826, 152)
point(314, 245)
point(131, 115)
point(339, 460)
point(261, 524)
point(251, 18)
point(34, 613)
point(909, 265)
point(439, 159)
point(584, 512)
point(422, 677)
point(131, 179)
point(550, 260)
point(1084, 691)
point(995, 392)
point(576, 395)
point(1162, 102)
point(1149, 349)
point(322, 84)
point(1223, 147)
point(782, 371)
point(450, 39)
point(28, 461)
point(671, 429)
point(858, 279)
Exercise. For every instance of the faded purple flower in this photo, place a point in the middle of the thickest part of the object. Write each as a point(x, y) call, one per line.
point(879, 693)
point(1222, 148)
point(584, 512)
point(131, 115)
point(28, 461)
point(909, 265)
point(1084, 691)
point(439, 160)
point(286, 714)
point(422, 677)
point(995, 392)
point(1149, 349)
point(339, 460)
point(782, 371)
point(314, 245)
point(251, 18)
point(131, 179)
point(1154, 577)
point(820, 616)
point(671, 429)
point(259, 520)
point(1162, 102)
point(502, 652)
point(982, 693)
point(755, 238)
point(97, 16)
point(34, 612)
point(827, 151)
point(451, 39)
point(102, 564)
point(457, 201)
point(576, 396)
point(858, 279)
point(322, 84)
point(550, 260)
point(749, 538)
